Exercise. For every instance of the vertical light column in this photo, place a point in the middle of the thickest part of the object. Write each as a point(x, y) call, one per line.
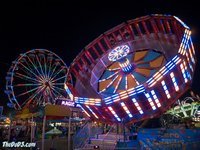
point(189, 60)
point(183, 73)
point(192, 48)
point(188, 75)
point(184, 42)
point(155, 98)
point(150, 101)
point(126, 109)
point(174, 81)
point(114, 113)
point(165, 89)
point(137, 106)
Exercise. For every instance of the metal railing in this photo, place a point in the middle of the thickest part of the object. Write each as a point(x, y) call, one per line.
point(82, 137)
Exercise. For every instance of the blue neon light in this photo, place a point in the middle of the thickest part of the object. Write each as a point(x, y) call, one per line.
point(155, 98)
point(114, 113)
point(71, 96)
point(78, 105)
point(87, 101)
point(165, 89)
point(164, 70)
point(92, 112)
point(126, 109)
point(174, 81)
point(137, 105)
point(150, 101)
point(181, 22)
point(124, 94)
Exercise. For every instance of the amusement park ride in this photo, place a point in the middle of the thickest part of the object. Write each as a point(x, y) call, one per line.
point(133, 72)
point(36, 77)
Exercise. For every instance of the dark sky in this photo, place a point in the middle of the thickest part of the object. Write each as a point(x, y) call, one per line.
point(66, 28)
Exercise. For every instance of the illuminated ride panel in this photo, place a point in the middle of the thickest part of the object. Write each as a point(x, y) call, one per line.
point(134, 71)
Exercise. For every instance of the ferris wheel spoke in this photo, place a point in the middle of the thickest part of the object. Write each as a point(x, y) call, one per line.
point(58, 78)
point(25, 69)
point(53, 70)
point(57, 73)
point(40, 94)
point(54, 89)
point(39, 100)
point(39, 74)
point(27, 92)
point(41, 69)
point(49, 69)
point(24, 77)
point(45, 66)
point(58, 83)
point(35, 64)
point(53, 96)
point(40, 91)
point(29, 99)
point(60, 89)
point(27, 84)
point(28, 69)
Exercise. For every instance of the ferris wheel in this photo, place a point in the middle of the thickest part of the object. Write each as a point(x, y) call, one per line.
point(36, 77)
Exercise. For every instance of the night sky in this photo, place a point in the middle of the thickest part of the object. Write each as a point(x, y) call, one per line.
point(66, 28)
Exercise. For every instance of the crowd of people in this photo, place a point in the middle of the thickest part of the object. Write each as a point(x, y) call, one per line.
point(16, 133)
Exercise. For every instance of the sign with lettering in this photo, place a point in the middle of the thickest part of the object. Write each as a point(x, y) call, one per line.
point(68, 103)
